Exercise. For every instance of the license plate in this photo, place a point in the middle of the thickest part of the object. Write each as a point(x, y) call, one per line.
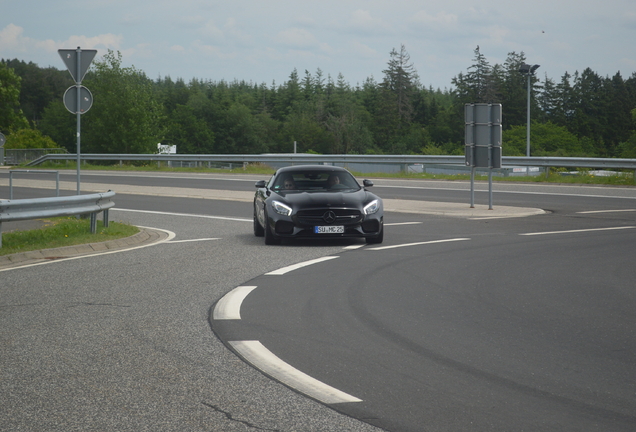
point(334, 229)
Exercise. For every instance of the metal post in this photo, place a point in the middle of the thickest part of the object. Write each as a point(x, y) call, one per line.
point(490, 189)
point(79, 101)
point(93, 223)
point(528, 128)
point(472, 187)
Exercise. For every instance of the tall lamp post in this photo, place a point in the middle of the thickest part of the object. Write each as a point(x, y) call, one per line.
point(528, 70)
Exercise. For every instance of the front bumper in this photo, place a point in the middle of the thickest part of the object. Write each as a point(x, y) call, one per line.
point(291, 227)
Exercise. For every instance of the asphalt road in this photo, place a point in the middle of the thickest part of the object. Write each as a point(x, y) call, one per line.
point(501, 331)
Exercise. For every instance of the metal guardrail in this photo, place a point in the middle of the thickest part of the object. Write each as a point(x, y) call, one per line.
point(567, 162)
point(19, 156)
point(57, 179)
point(25, 209)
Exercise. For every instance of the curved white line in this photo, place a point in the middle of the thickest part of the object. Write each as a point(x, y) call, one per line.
point(417, 244)
point(283, 270)
point(229, 307)
point(194, 240)
point(263, 359)
point(171, 235)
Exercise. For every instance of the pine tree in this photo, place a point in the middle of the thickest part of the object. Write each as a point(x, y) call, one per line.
point(400, 80)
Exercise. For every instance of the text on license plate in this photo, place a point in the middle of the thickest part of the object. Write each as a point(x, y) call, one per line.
point(334, 229)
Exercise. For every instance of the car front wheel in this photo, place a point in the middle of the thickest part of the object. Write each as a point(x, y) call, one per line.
point(258, 229)
point(377, 239)
point(270, 238)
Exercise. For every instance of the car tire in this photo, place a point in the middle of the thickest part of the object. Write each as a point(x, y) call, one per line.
point(258, 229)
point(270, 238)
point(377, 239)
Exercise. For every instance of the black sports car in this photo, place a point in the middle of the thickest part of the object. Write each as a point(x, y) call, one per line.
point(316, 202)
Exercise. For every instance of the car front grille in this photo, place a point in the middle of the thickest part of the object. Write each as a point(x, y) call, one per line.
point(329, 216)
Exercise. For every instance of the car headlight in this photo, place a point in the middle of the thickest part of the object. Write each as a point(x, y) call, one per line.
point(281, 208)
point(372, 207)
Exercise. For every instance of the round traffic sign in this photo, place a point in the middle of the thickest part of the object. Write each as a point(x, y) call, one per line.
point(85, 100)
point(2, 140)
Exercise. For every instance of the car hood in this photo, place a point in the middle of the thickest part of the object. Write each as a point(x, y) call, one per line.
point(327, 199)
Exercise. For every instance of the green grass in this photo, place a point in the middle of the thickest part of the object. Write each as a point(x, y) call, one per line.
point(59, 232)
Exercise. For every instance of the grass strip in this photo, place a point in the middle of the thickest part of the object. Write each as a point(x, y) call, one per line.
point(60, 232)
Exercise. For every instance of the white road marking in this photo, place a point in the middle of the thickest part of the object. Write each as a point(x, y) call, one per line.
point(193, 240)
point(606, 211)
point(229, 307)
point(497, 217)
point(577, 231)
point(417, 244)
point(266, 361)
point(182, 214)
point(352, 247)
point(402, 223)
point(283, 270)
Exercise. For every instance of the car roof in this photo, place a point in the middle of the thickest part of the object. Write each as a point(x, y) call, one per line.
point(296, 168)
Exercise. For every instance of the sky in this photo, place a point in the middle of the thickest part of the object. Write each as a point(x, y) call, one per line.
point(263, 41)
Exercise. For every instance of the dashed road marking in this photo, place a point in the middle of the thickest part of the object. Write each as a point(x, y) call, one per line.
point(263, 359)
point(577, 231)
point(229, 307)
point(283, 270)
point(417, 244)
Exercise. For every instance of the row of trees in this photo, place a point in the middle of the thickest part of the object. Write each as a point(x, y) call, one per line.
point(582, 114)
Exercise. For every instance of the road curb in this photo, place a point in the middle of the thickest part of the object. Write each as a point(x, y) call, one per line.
point(145, 236)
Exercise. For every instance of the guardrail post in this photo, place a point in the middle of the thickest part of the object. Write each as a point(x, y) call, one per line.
point(93, 222)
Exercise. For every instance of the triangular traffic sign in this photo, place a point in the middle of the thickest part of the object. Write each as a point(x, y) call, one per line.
point(70, 56)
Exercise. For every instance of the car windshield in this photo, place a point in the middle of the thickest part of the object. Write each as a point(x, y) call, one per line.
point(315, 181)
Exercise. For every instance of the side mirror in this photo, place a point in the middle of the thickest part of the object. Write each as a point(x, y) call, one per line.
point(260, 184)
point(367, 183)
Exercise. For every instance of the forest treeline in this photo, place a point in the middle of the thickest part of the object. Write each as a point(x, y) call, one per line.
point(580, 114)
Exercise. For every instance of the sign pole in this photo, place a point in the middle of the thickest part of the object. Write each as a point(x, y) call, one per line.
point(82, 99)
point(78, 85)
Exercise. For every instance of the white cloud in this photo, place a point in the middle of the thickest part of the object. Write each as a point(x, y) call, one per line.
point(11, 39)
point(439, 20)
point(497, 34)
point(363, 50)
point(211, 31)
point(201, 48)
point(235, 33)
point(362, 21)
point(108, 41)
point(297, 38)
